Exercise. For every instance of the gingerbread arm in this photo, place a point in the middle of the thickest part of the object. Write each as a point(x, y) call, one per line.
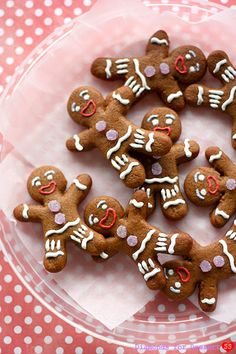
point(200, 95)
point(79, 189)
point(185, 151)
point(225, 209)
point(178, 243)
point(208, 294)
point(219, 160)
point(25, 212)
point(221, 67)
point(172, 95)
point(83, 141)
point(138, 205)
point(159, 41)
point(110, 68)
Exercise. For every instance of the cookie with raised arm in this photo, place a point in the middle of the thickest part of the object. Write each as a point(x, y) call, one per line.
point(157, 70)
point(162, 176)
point(110, 132)
point(128, 231)
point(215, 186)
point(57, 212)
point(222, 98)
point(204, 269)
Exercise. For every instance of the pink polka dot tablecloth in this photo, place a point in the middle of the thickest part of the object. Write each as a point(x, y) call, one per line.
point(26, 326)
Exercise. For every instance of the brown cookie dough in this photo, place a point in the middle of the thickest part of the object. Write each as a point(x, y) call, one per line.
point(223, 98)
point(216, 186)
point(157, 70)
point(110, 131)
point(128, 231)
point(204, 269)
point(58, 214)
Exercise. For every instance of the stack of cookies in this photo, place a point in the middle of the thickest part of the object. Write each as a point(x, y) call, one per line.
point(146, 159)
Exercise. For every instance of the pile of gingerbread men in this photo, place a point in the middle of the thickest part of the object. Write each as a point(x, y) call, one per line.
point(146, 159)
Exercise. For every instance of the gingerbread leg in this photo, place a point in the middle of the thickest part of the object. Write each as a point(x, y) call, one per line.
point(178, 243)
point(208, 294)
point(173, 204)
point(152, 273)
point(110, 68)
point(55, 256)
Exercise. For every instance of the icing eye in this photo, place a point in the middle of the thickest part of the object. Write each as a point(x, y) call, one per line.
point(170, 272)
point(203, 192)
point(169, 121)
point(178, 285)
point(155, 122)
point(50, 176)
point(104, 206)
point(188, 56)
point(201, 177)
point(37, 183)
point(192, 69)
point(95, 220)
point(74, 107)
point(86, 97)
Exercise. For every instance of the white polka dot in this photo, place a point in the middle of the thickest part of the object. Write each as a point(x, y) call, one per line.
point(48, 3)
point(19, 50)
point(2, 12)
point(38, 349)
point(87, 2)
point(9, 41)
point(68, 3)
point(38, 329)
point(28, 320)
point(47, 21)
point(17, 329)
point(29, 22)
point(10, 3)
point(89, 339)
point(151, 318)
point(171, 317)
point(29, 4)
point(68, 20)
point(1, 31)
point(8, 78)
point(48, 339)
point(68, 340)
point(58, 329)
point(78, 350)
point(8, 299)
point(28, 40)
point(120, 350)
point(19, 32)
point(38, 309)
point(38, 31)
point(172, 337)
point(38, 12)
point(77, 11)
point(58, 11)
point(7, 319)
point(181, 307)
point(99, 350)
point(162, 351)
point(48, 318)
point(17, 350)
point(9, 22)
point(161, 308)
point(59, 350)
point(192, 317)
point(1, 50)
point(8, 278)
point(17, 309)
point(28, 299)
point(7, 340)
point(28, 340)
point(1, 69)
point(224, 1)
point(19, 12)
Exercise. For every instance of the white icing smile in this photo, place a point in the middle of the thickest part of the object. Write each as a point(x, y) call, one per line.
point(201, 193)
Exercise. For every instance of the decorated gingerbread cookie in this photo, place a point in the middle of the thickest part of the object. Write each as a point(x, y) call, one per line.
point(205, 268)
point(157, 70)
point(129, 232)
point(162, 171)
point(58, 214)
point(223, 98)
point(110, 131)
point(216, 186)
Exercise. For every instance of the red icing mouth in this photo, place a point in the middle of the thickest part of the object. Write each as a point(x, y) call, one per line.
point(185, 271)
point(164, 129)
point(48, 189)
point(213, 184)
point(110, 211)
point(180, 65)
point(89, 105)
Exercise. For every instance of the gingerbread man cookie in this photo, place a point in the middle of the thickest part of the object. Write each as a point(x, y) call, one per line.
point(112, 133)
point(223, 98)
point(216, 186)
point(129, 232)
point(157, 70)
point(205, 268)
point(58, 215)
point(162, 171)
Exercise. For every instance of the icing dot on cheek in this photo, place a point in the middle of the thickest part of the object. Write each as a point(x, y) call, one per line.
point(156, 169)
point(112, 134)
point(149, 71)
point(218, 261)
point(231, 184)
point(132, 240)
point(121, 231)
point(101, 126)
point(164, 68)
point(60, 218)
point(205, 266)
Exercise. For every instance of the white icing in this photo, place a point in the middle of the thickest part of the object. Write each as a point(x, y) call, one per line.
point(115, 165)
point(171, 248)
point(54, 254)
point(151, 274)
point(166, 205)
point(79, 185)
point(36, 181)
point(144, 265)
point(234, 137)
point(140, 75)
point(225, 78)
point(230, 99)
point(135, 203)
point(177, 291)
point(104, 255)
point(119, 142)
point(118, 97)
point(208, 301)
point(155, 40)
point(219, 65)
point(143, 244)
point(141, 268)
point(229, 255)
point(100, 203)
point(25, 212)
point(199, 194)
point(162, 180)
point(121, 61)
point(78, 146)
point(62, 229)
point(173, 96)
point(86, 240)
point(108, 68)
point(128, 170)
point(200, 95)
point(215, 157)
point(222, 213)
point(90, 219)
point(187, 150)
point(150, 142)
point(123, 71)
